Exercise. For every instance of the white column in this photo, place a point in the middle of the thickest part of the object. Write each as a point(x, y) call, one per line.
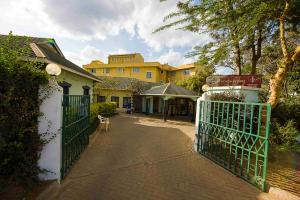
point(49, 127)
point(198, 112)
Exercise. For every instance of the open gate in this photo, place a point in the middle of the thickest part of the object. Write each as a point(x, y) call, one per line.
point(75, 126)
point(235, 135)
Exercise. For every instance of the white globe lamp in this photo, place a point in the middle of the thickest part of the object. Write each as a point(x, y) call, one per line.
point(53, 69)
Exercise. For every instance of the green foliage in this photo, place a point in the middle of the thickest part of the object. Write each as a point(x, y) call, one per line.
point(227, 96)
point(94, 111)
point(196, 82)
point(20, 143)
point(238, 29)
point(284, 136)
point(107, 109)
point(289, 109)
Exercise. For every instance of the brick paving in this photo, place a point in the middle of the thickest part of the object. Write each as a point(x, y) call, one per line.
point(145, 158)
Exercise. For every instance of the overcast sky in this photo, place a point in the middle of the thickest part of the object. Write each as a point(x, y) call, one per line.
point(92, 29)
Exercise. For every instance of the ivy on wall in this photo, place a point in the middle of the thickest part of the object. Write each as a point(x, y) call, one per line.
point(20, 142)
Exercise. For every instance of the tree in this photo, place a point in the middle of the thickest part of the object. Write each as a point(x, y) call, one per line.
point(225, 21)
point(237, 26)
point(20, 142)
point(196, 82)
point(290, 57)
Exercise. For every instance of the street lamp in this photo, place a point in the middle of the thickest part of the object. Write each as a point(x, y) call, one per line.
point(53, 69)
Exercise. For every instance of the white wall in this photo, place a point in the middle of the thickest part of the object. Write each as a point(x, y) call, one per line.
point(51, 123)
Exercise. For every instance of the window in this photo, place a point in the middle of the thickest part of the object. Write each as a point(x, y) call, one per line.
point(186, 72)
point(86, 90)
point(148, 74)
point(136, 69)
point(126, 102)
point(101, 99)
point(93, 70)
point(120, 70)
point(105, 70)
point(172, 73)
point(115, 99)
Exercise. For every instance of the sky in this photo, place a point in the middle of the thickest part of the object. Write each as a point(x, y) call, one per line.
point(93, 29)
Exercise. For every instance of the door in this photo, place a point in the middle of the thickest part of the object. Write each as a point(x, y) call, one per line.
point(147, 106)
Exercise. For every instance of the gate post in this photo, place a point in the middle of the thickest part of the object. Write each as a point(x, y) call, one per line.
point(49, 127)
point(199, 111)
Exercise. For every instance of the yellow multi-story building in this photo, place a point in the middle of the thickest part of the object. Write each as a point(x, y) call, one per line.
point(134, 66)
point(123, 71)
point(181, 72)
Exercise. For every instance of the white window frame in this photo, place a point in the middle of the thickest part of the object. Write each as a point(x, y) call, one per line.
point(120, 70)
point(136, 70)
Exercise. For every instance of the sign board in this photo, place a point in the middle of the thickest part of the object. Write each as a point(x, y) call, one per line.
point(235, 80)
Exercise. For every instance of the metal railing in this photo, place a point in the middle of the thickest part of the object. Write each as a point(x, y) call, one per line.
point(235, 135)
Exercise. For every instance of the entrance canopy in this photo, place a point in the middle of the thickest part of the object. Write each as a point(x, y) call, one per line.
point(170, 90)
point(169, 99)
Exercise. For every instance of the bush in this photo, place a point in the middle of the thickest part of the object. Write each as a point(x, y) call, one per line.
point(289, 109)
point(20, 142)
point(107, 109)
point(94, 111)
point(227, 96)
point(285, 136)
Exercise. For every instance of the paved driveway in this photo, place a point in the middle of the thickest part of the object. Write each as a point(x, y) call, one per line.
point(144, 158)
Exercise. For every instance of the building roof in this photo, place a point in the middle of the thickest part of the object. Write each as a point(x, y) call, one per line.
point(118, 65)
point(46, 50)
point(170, 89)
point(124, 83)
point(186, 66)
point(53, 57)
point(125, 54)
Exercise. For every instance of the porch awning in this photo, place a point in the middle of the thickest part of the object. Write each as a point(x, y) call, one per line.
point(170, 90)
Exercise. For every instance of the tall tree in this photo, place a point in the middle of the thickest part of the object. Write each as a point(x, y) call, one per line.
point(290, 57)
point(219, 19)
point(234, 24)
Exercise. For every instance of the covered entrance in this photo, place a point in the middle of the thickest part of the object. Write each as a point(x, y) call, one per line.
point(170, 101)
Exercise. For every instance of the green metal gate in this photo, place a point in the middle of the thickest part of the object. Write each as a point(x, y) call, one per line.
point(75, 126)
point(235, 135)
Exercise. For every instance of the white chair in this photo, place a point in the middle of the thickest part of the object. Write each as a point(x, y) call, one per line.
point(105, 121)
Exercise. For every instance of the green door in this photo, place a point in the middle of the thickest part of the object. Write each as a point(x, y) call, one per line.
point(147, 106)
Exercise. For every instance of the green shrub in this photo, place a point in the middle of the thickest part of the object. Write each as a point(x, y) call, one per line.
point(20, 142)
point(289, 109)
point(227, 96)
point(107, 109)
point(284, 136)
point(94, 111)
